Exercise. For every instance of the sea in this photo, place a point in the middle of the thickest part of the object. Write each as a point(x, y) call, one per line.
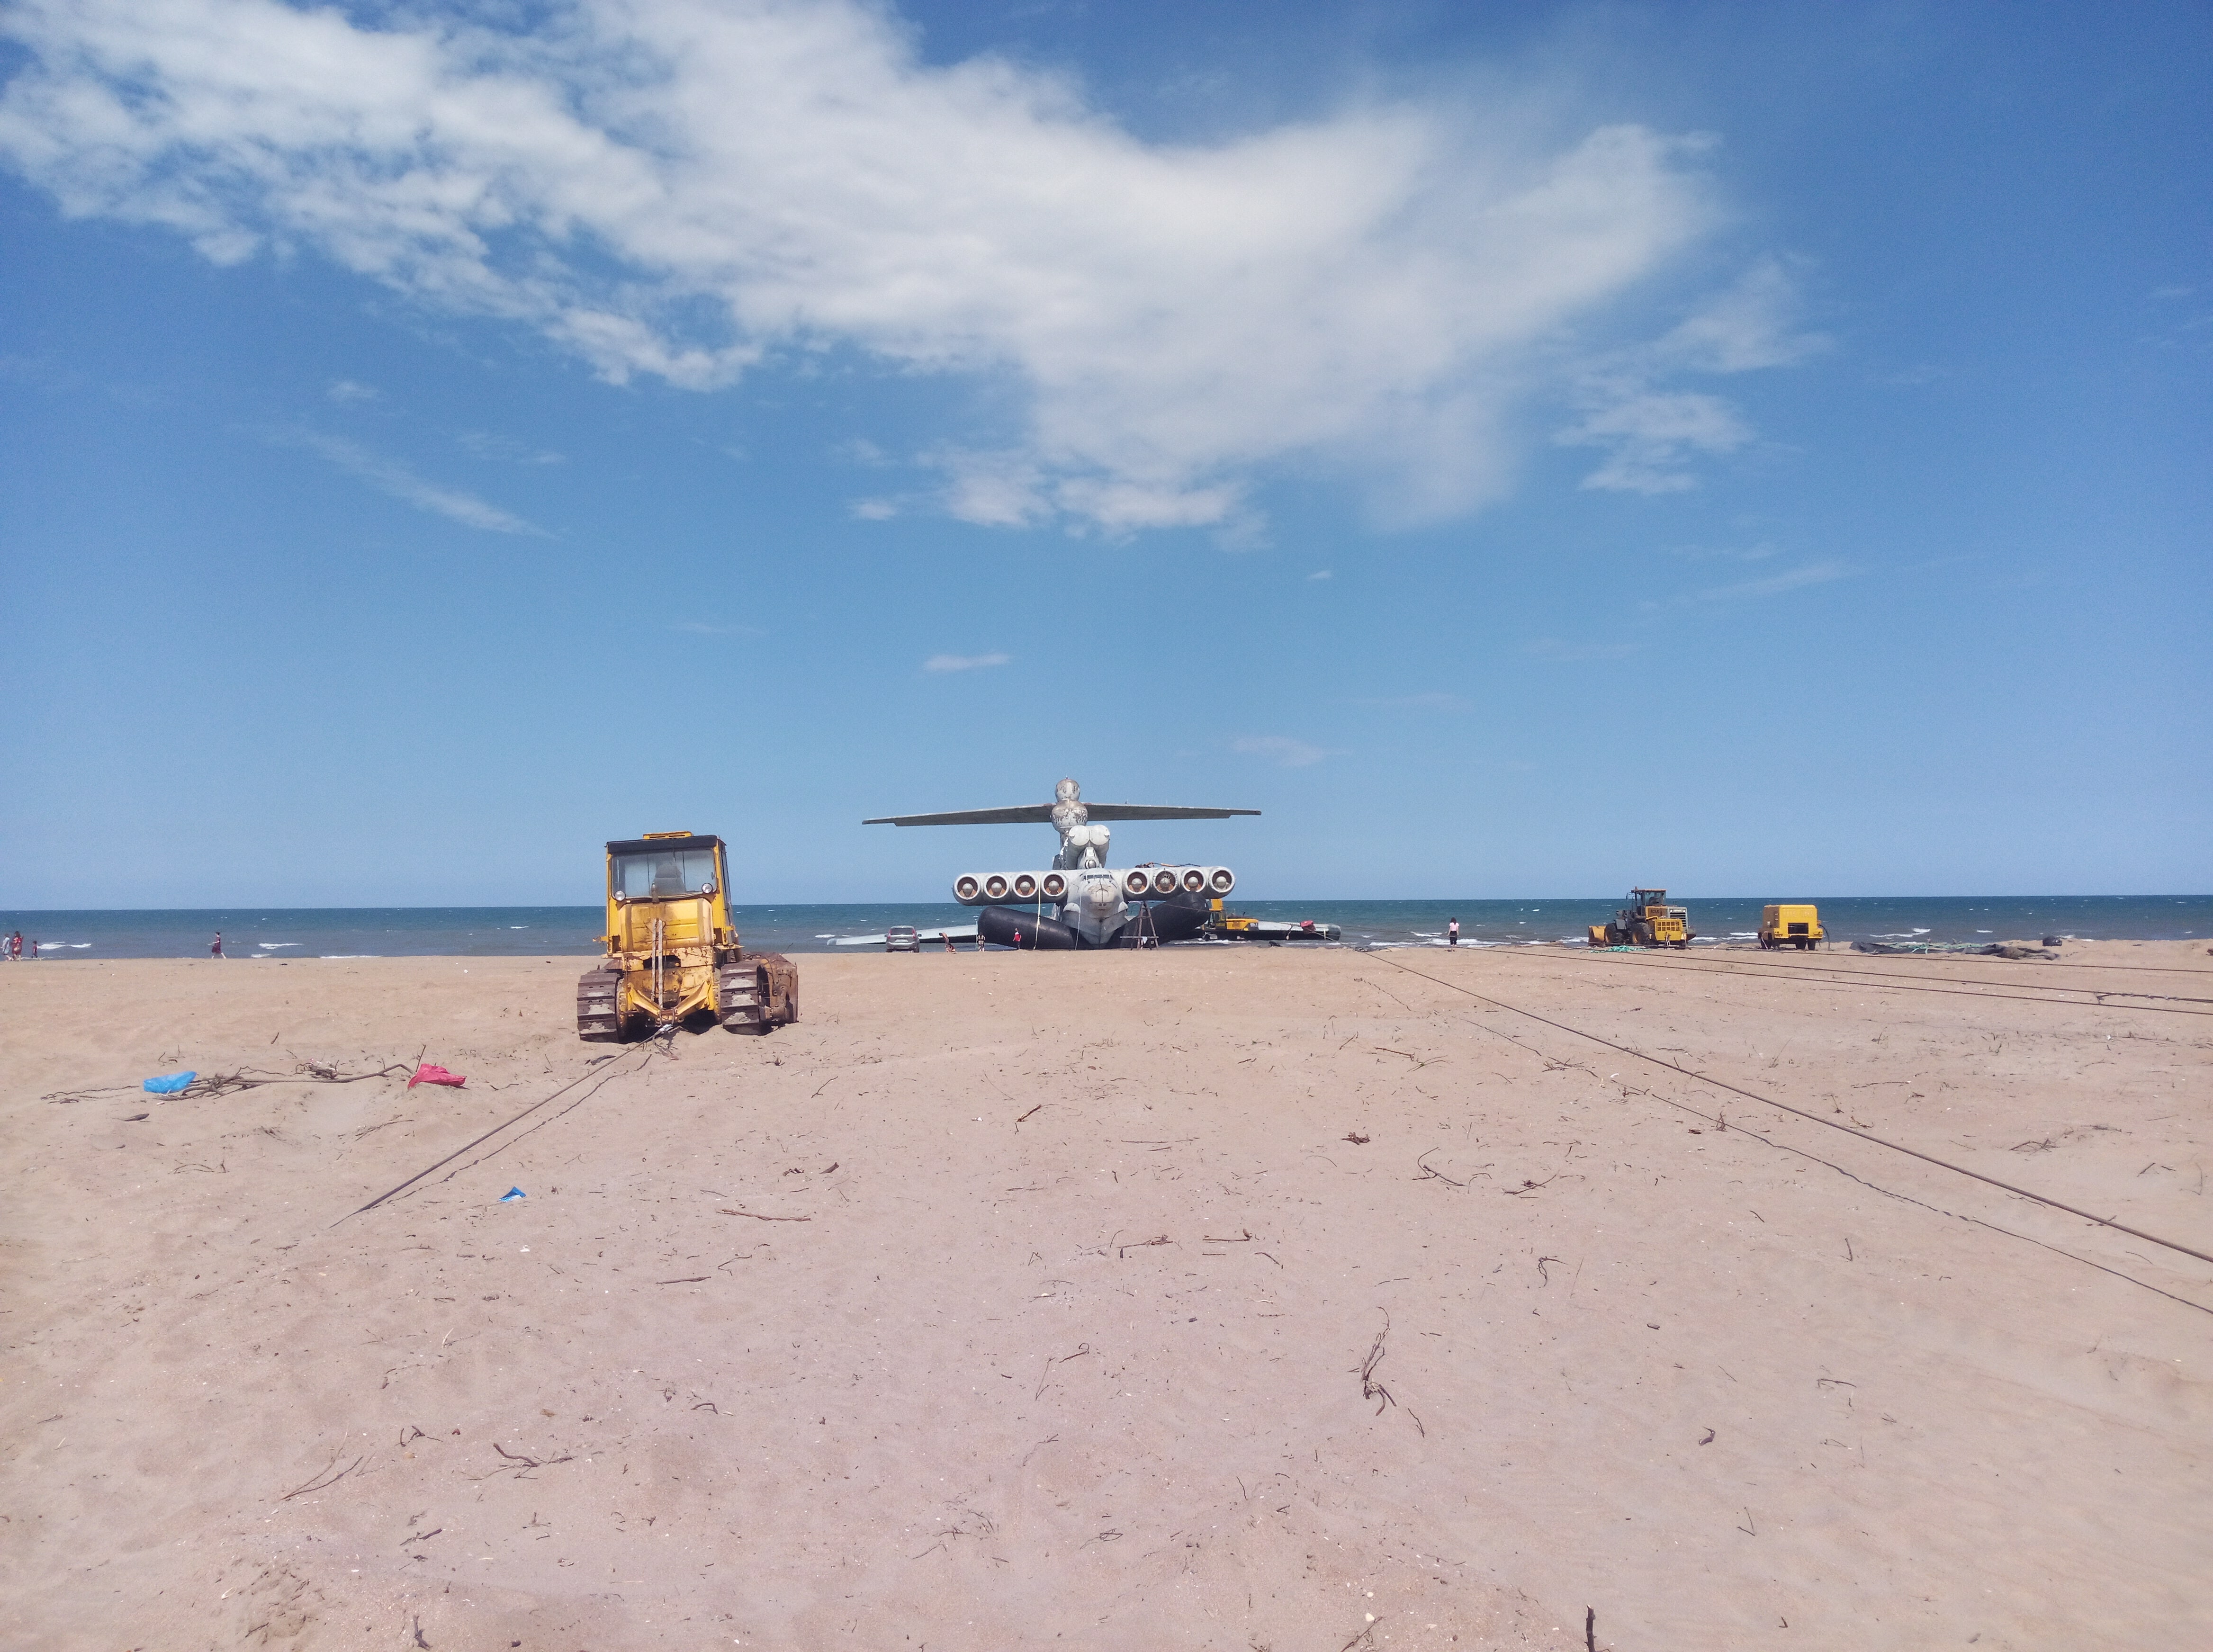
point(571, 931)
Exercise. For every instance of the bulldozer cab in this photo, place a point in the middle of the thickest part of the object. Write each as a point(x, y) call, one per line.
point(1640, 899)
point(678, 880)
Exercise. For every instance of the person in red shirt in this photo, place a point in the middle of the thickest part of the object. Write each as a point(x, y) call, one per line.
point(215, 946)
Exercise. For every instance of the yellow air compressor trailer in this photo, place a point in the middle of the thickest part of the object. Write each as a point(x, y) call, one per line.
point(673, 955)
point(1790, 926)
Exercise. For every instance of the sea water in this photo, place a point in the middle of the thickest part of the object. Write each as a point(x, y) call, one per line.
point(572, 931)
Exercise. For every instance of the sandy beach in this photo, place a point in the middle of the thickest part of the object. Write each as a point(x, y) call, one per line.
point(1242, 1298)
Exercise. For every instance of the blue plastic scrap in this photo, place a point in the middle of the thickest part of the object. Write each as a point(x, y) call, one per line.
point(170, 1083)
point(513, 1193)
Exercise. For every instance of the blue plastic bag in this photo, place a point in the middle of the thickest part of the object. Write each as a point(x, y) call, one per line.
point(170, 1083)
point(513, 1193)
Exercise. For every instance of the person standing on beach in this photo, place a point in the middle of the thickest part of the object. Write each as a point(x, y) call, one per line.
point(215, 946)
point(16, 947)
point(1452, 932)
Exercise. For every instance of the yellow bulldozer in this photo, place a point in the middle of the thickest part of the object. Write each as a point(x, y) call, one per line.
point(673, 956)
point(1647, 921)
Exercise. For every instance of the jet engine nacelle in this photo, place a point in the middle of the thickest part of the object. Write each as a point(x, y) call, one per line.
point(1054, 888)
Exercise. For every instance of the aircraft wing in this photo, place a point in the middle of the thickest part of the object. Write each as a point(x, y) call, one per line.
point(958, 931)
point(1025, 813)
point(1159, 812)
point(1019, 814)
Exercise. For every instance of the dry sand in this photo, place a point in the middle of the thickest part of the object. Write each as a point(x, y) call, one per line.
point(1017, 1300)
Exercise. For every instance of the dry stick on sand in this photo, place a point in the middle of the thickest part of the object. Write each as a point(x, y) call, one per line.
point(521, 1461)
point(1370, 1388)
point(1438, 1174)
point(757, 1216)
point(319, 1483)
point(1081, 1350)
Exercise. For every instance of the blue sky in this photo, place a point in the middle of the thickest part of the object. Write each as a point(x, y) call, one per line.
point(1523, 450)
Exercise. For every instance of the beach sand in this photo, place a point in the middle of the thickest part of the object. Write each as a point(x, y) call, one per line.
point(1024, 1300)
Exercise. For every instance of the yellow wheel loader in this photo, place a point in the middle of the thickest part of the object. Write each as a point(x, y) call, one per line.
point(673, 956)
point(1647, 921)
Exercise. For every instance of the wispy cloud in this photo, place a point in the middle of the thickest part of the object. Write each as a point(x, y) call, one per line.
point(873, 510)
point(391, 476)
point(1552, 648)
point(1436, 700)
point(965, 661)
point(485, 445)
point(1751, 325)
point(702, 628)
point(345, 390)
point(1322, 574)
point(1282, 750)
point(1760, 552)
point(687, 188)
point(1655, 432)
point(1817, 573)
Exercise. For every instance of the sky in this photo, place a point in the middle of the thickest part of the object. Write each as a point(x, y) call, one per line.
point(1521, 449)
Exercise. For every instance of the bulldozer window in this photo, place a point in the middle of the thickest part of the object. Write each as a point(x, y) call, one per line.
point(664, 876)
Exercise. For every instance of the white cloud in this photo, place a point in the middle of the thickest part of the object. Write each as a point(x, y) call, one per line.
point(1818, 573)
point(1551, 647)
point(1654, 433)
point(1746, 328)
point(1323, 574)
point(1433, 701)
point(1281, 749)
point(685, 187)
point(345, 390)
point(965, 661)
point(392, 477)
point(486, 445)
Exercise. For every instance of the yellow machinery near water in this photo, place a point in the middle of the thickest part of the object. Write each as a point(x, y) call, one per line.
point(1647, 921)
point(1790, 926)
point(673, 955)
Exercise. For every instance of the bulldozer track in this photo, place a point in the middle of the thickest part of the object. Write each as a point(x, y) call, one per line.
point(598, 1018)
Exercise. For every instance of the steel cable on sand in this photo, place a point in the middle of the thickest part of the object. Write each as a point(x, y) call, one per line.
point(1711, 964)
point(652, 1047)
point(1777, 966)
point(1845, 1130)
